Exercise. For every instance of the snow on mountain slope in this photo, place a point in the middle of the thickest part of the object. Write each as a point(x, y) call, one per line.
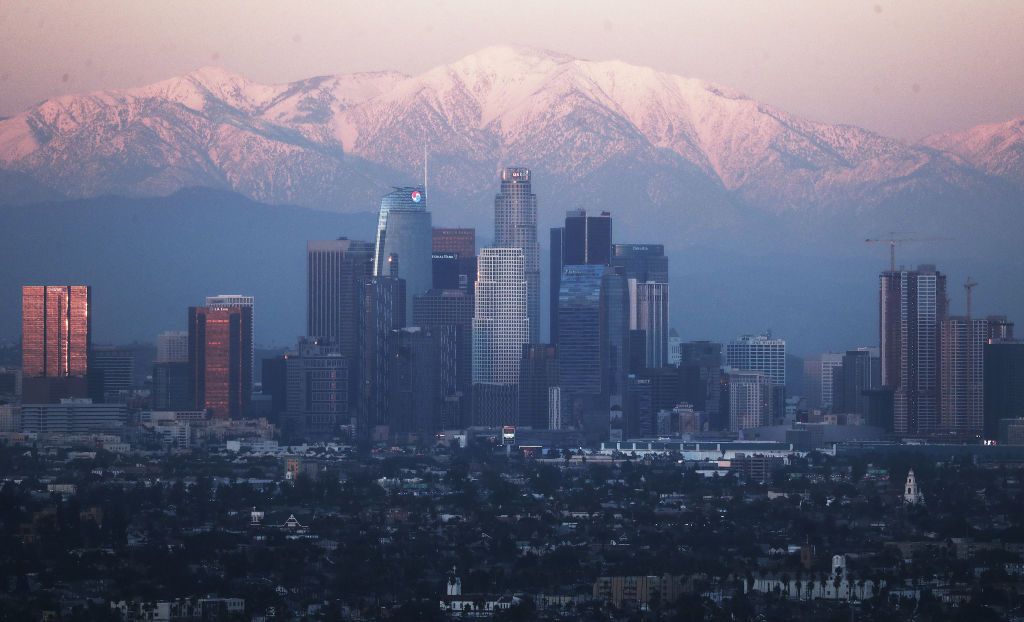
point(593, 128)
point(995, 148)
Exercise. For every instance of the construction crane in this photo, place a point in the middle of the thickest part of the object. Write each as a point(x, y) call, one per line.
point(969, 286)
point(891, 241)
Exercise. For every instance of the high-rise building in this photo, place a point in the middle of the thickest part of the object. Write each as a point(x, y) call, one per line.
point(316, 396)
point(335, 273)
point(515, 226)
point(912, 306)
point(584, 350)
point(423, 381)
point(649, 313)
point(451, 308)
point(114, 369)
point(538, 373)
point(56, 337)
point(171, 386)
point(961, 375)
point(857, 375)
point(829, 362)
point(172, 347)
point(700, 364)
point(454, 258)
point(383, 312)
point(1003, 383)
point(767, 355)
point(220, 355)
point(459, 240)
point(583, 240)
point(500, 324)
point(675, 342)
point(748, 394)
point(643, 262)
point(404, 241)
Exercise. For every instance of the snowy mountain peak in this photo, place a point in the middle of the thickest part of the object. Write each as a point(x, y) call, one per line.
point(323, 140)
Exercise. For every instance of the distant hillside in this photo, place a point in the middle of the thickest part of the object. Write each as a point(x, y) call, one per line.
point(149, 259)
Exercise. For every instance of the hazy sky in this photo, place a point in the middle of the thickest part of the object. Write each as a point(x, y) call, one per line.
point(906, 68)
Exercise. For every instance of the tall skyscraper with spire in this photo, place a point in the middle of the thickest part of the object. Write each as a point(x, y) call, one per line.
point(515, 226)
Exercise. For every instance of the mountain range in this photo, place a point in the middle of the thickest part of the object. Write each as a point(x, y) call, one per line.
point(714, 169)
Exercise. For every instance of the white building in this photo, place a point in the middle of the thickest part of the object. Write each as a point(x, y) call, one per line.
point(761, 353)
point(911, 492)
point(515, 226)
point(500, 322)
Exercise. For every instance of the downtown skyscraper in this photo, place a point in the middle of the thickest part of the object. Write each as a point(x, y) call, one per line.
point(583, 240)
point(404, 241)
point(56, 335)
point(515, 226)
point(220, 356)
point(912, 307)
point(501, 327)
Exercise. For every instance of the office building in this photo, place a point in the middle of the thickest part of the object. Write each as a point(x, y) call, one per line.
point(642, 262)
point(220, 354)
point(454, 258)
point(501, 327)
point(858, 373)
point(383, 312)
point(10, 384)
point(748, 394)
point(675, 342)
point(404, 241)
point(56, 337)
point(583, 240)
point(765, 354)
point(649, 313)
point(423, 381)
point(961, 372)
point(171, 382)
point(114, 369)
point(515, 226)
point(538, 373)
point(584, 361)
point(452, 308)
point(1003, 383)
point(700, 364)
point(172, 347)
point(73, 416)
point(912, 306)
point(829, 362)
point(316, 395)
point(335, 273)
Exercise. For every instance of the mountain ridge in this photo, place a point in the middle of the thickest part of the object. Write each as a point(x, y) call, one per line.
point(337, 142)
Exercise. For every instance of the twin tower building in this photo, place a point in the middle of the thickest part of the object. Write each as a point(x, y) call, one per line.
point(443, 332)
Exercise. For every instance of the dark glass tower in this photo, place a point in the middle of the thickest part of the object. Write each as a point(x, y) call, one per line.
point(515, 226)
point(1004, 383)
point(583, 240)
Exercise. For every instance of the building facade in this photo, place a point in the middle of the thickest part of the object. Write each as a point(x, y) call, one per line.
point(56, 337)
point(912, 306)
point(404, 241)
point(582, 240)
point(961, 376)
point(515, 226)
point(220, 353)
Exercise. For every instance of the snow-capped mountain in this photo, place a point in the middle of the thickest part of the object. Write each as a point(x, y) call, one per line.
point(595, 131)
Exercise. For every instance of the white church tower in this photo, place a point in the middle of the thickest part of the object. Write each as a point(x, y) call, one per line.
point(454, 584)
point(911, 493)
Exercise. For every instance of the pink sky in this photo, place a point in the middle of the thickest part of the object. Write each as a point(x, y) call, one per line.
point(905, 69)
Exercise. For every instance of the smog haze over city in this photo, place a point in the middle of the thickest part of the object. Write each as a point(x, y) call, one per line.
point(517, 311)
